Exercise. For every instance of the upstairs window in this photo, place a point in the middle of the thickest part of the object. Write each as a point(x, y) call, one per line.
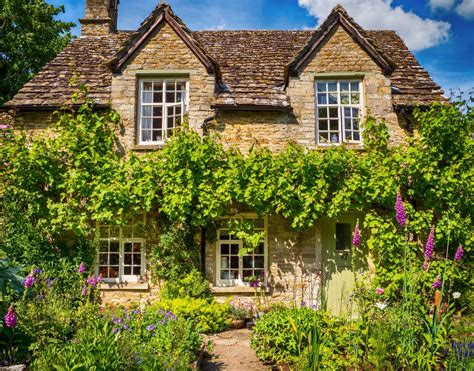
point(338, 112)
point(162, 106)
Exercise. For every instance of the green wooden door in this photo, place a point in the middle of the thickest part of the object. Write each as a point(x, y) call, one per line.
point(337, 263)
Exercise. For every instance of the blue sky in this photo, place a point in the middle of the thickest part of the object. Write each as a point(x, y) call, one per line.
point(440, 32)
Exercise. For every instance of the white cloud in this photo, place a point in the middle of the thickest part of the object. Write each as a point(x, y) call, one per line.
point(418, 33)
point(441, 4)
point(466, 9)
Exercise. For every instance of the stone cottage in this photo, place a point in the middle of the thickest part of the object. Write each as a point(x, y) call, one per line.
point(256, 87)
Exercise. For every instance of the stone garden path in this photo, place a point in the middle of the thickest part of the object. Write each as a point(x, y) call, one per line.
point(232, 352)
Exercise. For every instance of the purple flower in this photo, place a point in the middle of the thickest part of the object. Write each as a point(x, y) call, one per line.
point(49, 282)
point(82, 268)
point(459, 253)
point(379, 291)
point(400, 213)
point(37, 271)
point(429, 245)
point(10, 318)
point(303, 303)
point(92, 281)
point(116, 330)
point(116, 320)
point(356, 236)
point(437, 283)
point(84, 291)
point(150, 328)
point(29, 281)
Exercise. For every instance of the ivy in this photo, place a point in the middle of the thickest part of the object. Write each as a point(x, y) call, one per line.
point(81, 173)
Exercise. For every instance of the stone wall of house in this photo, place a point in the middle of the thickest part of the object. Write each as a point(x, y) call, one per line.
point(38, 120)
point(165, 51)
point(340, 54)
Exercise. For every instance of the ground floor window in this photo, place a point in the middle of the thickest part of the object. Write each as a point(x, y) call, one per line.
point(235, 268)
point(121, 254)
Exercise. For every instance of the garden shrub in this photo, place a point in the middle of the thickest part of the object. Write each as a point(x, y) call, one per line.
point(193, 285)
point(208, 317)
point(274, 338)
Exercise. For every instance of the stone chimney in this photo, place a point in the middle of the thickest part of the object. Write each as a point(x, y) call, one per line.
point(101, 17)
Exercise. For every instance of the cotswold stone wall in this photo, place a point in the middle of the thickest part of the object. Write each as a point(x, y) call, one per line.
point(165, 51)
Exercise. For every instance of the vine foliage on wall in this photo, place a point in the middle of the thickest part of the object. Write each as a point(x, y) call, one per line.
point(81, 173)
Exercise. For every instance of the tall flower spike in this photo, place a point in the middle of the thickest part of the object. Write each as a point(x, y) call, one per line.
point(459, 253)
point(356, 237)
point(10, 318)
point(82, 268)
point(437, 283)
point(429, 245)
point(400, 213)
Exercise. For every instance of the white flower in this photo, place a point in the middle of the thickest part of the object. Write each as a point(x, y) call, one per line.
point(456, 295)
point(381, 305)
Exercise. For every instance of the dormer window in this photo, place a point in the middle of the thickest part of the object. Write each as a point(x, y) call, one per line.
point(162, 106)
point(338, 111)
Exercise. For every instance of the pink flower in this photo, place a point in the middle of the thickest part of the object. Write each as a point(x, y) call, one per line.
point(82, 268)
point(400, 213)
point(99, 279)
point(459, 253)
point(356, 236)
point(29, 281)
point(84, 291)
point(92, 281)
point(379, 291)
point(437, 283)
point(10, 318)
point(4, 127)
point(429, 245)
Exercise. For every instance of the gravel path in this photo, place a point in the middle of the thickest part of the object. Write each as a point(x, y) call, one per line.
point(232, 352)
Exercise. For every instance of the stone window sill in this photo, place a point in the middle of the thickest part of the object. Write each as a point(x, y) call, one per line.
point(234, 290)
point(144, 147)
point(125, 286)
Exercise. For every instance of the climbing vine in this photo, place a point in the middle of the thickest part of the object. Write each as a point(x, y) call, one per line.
point(81, 173)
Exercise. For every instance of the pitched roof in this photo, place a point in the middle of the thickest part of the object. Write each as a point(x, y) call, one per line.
point(160, 15)
point(251, 66)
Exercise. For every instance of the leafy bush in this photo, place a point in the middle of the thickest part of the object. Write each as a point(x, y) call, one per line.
point(193, 285)
point(275, 339)
point(95, 346)
point(208, 317)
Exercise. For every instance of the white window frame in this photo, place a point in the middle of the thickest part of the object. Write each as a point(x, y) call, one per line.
point(240, 282)
point(341, 116)
point(122, 241)
point(165, 105)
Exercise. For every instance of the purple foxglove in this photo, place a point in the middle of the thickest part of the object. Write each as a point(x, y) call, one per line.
point(459, 253)
point(437, 283)
point(429, 245)
point(356, 236)
point(82, 268)
point(29, 281)
point(10, 318)
point(92, 281)
point(400, 213)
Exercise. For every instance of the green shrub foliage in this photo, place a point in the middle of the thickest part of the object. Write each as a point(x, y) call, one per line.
point(82, 173)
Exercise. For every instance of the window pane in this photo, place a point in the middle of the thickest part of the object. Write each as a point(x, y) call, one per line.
point(225, 275)
point(147, 86)
point(333, 98)
point(114, 259)
point(146, 111)
point(322, 112)
point(146, 136)
point(259, 262)
point(104, 246)
point(225, 249)
point(170, 98)
point(127, 260)
point(137, 259)
point(348, 135)
point(332, 86)
point(234, 262)
point(146, 123)
point(333, 112)
point(127, 271)
point(356, 136)
point(181, 85)
point(157, 123)
point(158, 97)
point(104, 271)
point(157, 111)
point(324, 137)
point(114, 247)
point(147, 97)
point(344, 86)
point(354, 86)
point(347, 112)
point(260, 249)
point(323, 125)
point(344, 98)
point(170, 122)
point(343, 236)
point(103, 259)
point(137, 271)
point(158, 86)
point(157, 136)
point(113, 272)
point(234, 275)
point(248, 261)
point(322, 99)
point(234, 249)
point(321, 86)
point(355, 112)
point(355, 99)
point(334, 125)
